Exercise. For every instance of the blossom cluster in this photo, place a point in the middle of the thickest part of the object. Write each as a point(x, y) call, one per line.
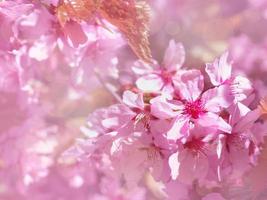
point(86, 113)
point(180, 126)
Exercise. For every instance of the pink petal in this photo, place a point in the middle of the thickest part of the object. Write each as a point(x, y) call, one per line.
point(241, 88)
point(180, 128)
point(158, 130)
point(217, 98)
point(142, 68)
point(174, 56)
point(220, 70)
point(31, 26)
point(75, 33)
point(133, 100)
point(239, 110)
point(174, 165)
point(192, 167)
point(175, 187)
point(162, 109)
point(220, 146)
point(42, 49)
point(150, 83)
point(212, 120)
point(168, 90)
point(247, 121)
point(161, 170)
point(110, 122)
point(191, 84)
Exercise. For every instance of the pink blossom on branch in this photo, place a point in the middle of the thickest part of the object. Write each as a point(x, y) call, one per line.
point(169, 129)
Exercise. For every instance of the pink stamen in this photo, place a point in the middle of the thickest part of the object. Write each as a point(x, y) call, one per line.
point(236, 140)
point(196, 146)
point(194, 109)
point(166, 76)
point(143, 118)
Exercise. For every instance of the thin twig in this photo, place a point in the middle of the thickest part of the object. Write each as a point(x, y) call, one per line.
point(100, 79)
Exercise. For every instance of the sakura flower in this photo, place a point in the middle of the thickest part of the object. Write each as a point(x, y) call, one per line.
point(131, 155)
point(240, 147)
point(166, 133)
point(157, 77)
point(220, 74)
point(192, 159)
point(136, 102)
point(108, 127)
point(125, 117)
point(139, 153)
point(193, 107)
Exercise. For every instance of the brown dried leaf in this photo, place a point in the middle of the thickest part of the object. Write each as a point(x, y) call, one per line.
point(76, 10)
point(131, 17)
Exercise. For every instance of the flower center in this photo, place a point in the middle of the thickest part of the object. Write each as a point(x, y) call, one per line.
point(196, 146)
point(143, 118)
point(235, 140)
point(153, 152)
point(166, 76)
point(194, 109)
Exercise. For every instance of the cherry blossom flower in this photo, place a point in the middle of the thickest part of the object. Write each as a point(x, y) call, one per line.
point(193, 107)
point(241, 143)
point(220, 74)
point(157, 77)
point(81, 119)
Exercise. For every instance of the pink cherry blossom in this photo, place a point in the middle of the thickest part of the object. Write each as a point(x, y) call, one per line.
point(220, 74)
point(81, 118)
point(157, 77)
point(193, 107)
point(241, 143)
